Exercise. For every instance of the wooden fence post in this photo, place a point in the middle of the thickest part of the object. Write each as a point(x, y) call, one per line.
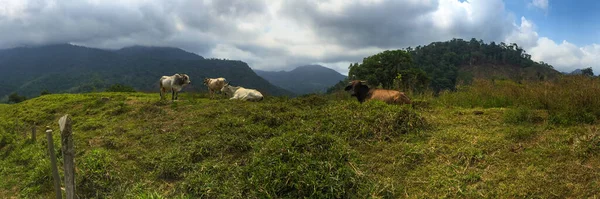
point(53, 163)
point(68, 155)
point(33, 132)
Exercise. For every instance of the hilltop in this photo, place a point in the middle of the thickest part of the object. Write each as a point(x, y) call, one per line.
point(303, 79)
point(69, 68)
point(509, 143)
point(441, 66)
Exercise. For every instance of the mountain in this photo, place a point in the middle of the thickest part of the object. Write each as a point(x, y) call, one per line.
point(69, 68)
point(159, 53)
point(575, 72)
point(303, 79)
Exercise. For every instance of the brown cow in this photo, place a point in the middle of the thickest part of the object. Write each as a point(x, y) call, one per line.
point(362, 92)
point(214, 85)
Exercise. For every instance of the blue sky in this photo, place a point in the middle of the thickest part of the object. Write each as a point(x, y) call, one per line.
point(575, 21)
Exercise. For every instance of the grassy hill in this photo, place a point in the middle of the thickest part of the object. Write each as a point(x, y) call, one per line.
point(499, 71)
point(303, 79)
point(74, 69)
point(489, 140)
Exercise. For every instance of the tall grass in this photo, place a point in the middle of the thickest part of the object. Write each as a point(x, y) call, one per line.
point(568, 100)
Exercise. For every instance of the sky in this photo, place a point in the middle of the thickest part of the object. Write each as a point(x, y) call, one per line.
point(283, 34)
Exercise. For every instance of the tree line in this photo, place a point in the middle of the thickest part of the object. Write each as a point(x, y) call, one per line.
point(435, 65)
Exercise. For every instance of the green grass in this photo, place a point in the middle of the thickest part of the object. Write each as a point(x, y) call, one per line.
point(316, 146)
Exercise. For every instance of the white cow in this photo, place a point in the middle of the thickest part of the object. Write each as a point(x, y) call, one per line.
point(242, 93)
point(214, 84)
point(173, 83)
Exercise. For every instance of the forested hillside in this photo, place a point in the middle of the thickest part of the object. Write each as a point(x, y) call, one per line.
point(443, 65)
point(303, 79)
point(67, 68)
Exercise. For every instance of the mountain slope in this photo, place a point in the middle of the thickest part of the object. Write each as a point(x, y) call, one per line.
point(303, 79)
point(69, 68)
point(159, 53)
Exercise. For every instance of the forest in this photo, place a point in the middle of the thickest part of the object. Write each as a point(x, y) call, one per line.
point(437, 66)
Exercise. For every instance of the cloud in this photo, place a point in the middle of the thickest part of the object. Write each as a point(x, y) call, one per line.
point(390, 24)
point(541, 4)
point(564, 56)
point(274, 34)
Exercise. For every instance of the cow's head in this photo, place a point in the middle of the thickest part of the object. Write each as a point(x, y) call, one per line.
point(358, 89)
point(186, 79)
point(206, 81)
point(182, 79)
point(226, 89)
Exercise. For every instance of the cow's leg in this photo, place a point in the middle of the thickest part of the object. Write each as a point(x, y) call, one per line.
point(172, 94)
point(161, 93)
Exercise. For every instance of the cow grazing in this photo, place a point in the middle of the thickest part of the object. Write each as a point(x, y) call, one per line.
point(362, 92)
point(241, 93)
point(174, 84)
point(214, 84)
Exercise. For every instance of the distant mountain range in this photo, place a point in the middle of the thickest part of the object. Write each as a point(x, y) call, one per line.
point(574, 72)
point(69, 68)
point(303, 79)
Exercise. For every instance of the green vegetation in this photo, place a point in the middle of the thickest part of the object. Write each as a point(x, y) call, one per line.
point(588, 72)
point(45, 92)
point(491, 139)
point(444, 65)
point(303, 79)
point(65, 68)
point(120, 88)
point(390, 69)
point(16, 98)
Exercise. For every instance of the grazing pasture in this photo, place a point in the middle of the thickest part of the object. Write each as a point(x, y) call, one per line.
point(490, 140)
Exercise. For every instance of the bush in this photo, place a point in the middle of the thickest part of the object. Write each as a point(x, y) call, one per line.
point(16, 98)
point(45, 92)
point(120, 88)
point(297, 165)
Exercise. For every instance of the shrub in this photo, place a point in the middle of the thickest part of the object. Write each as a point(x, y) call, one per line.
point(120, 88)
point(16, 98)
point(45, 92)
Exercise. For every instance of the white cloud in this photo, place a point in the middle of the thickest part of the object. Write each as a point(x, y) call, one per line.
point(279, 34)
point(524, 34)
point(564, 56)
point(541, 4)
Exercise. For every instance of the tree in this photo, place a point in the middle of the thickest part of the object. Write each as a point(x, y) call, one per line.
point(587, 72)
point(381, 69)
point(45, 92)
point(120, 88)
point(16, 98)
